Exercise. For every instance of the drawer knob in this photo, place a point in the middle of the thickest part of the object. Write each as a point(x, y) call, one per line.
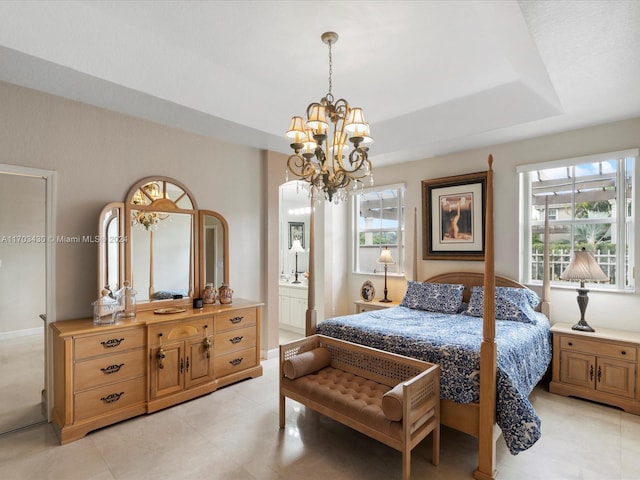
point(570, 344)
point(235, 339)
point(114, 342)
point(112, 369)
point(236, 319)
point(113, 397)
point(623, 352)
point(236, 361)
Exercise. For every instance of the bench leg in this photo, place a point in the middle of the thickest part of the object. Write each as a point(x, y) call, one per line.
point(406, 463)
point(435, 438)
point(282, 419)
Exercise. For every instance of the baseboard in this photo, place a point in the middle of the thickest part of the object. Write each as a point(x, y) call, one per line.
point(21, 333)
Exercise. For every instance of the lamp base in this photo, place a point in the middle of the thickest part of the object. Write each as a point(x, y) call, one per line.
point(385, 300)
point(582, 326)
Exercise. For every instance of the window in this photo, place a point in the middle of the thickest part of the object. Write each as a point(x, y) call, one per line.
point(379, 223)
point(590, 204)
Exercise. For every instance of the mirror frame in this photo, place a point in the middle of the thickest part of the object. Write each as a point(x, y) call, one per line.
point(201, 259)
point(162, 205)
point(105, 240)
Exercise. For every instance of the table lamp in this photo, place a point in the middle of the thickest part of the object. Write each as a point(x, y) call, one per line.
point(583, 267)
point(386, 260)
point(296, 248)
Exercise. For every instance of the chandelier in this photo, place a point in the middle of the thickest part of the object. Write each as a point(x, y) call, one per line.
point(322, 154)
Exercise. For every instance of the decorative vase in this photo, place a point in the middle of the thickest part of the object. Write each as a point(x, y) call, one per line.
point(209, 294)
point(126, 297)
point(225, 293)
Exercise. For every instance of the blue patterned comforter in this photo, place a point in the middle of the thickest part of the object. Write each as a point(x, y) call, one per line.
point(453, 342)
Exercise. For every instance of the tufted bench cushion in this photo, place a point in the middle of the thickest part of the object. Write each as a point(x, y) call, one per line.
point(348, 394)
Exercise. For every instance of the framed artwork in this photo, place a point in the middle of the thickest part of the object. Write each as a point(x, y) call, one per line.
point(453, 215)
point(296, 232)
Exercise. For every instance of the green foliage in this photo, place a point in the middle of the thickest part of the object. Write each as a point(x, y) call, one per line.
point(381, 238)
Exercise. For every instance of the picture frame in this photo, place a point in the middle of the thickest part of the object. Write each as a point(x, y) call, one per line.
point(296, 232)
point(453, 215)
point(367, 291)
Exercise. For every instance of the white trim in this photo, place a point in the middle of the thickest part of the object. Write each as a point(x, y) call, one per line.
point(598, 157)
point(50, 178)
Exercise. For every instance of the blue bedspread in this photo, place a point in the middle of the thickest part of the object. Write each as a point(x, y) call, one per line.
point(453, 342)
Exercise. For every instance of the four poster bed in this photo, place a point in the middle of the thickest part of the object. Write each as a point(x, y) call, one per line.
point(488, 368)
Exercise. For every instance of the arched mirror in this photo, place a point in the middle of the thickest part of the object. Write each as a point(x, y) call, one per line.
point(159, 241)
point(161, 224)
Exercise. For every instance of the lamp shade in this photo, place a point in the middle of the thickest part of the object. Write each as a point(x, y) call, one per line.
point(296, 130)
point(296, 247)
point(385, 257)
point(583, 267)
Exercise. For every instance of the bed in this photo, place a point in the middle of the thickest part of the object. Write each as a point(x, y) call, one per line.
point(453, 341)
point(478, 417)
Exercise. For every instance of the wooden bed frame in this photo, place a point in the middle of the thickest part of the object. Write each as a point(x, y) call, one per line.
point(476, 419)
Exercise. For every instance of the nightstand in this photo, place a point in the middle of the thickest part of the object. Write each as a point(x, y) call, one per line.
point(601, 366)
point(362, 306)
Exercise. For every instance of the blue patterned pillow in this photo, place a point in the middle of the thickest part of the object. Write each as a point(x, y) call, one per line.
point(433, 297)
point(515, 304)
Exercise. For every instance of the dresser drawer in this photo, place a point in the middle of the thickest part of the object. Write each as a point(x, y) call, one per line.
point(109, 369)
point(234, 340)
point(593, 347)
point(235, 319)
point(234, 362)
point(199, 327)
point(106, 343)
point(99, 401)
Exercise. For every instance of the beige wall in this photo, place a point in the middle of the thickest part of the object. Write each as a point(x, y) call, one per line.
point(99, 154)
point(614, 310)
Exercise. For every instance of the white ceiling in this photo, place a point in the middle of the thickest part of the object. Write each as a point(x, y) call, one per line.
point(433, 77)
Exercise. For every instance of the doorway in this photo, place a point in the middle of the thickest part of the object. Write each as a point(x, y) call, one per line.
point(24, 257)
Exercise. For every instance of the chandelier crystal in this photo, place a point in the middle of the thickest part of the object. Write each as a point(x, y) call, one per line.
point(331, 146)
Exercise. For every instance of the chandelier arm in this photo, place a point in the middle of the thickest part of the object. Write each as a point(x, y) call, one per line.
point(300, 167)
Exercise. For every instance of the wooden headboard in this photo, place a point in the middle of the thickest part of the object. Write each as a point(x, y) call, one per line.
point(472, 279)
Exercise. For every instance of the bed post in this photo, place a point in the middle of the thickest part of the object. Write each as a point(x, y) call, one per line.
point(310, 321)
point(545, 306)
point(488, 349)
point(415, 244)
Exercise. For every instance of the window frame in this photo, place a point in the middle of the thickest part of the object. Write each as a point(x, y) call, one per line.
point(398, 268)
point(624, 224)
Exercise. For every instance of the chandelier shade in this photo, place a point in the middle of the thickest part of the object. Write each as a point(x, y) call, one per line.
point(331, 146)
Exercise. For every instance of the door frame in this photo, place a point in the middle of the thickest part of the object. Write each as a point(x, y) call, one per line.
point(50, 178)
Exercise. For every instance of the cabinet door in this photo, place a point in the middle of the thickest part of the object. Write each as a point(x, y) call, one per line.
point(199, 362)
point(577, 369)
point(170, 378)
point(615, 376)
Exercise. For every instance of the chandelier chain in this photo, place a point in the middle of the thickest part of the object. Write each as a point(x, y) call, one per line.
point(330, 69)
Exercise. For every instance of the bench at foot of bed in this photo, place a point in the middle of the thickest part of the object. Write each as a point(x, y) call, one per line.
point(388, 397)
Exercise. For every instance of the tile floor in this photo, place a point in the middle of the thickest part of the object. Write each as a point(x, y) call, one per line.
point(233, 434)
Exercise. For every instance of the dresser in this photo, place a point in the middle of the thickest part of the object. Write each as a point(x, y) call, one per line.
point(108, 373)
point(601, 366)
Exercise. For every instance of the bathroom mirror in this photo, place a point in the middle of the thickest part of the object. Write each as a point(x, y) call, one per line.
point(162, 243)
